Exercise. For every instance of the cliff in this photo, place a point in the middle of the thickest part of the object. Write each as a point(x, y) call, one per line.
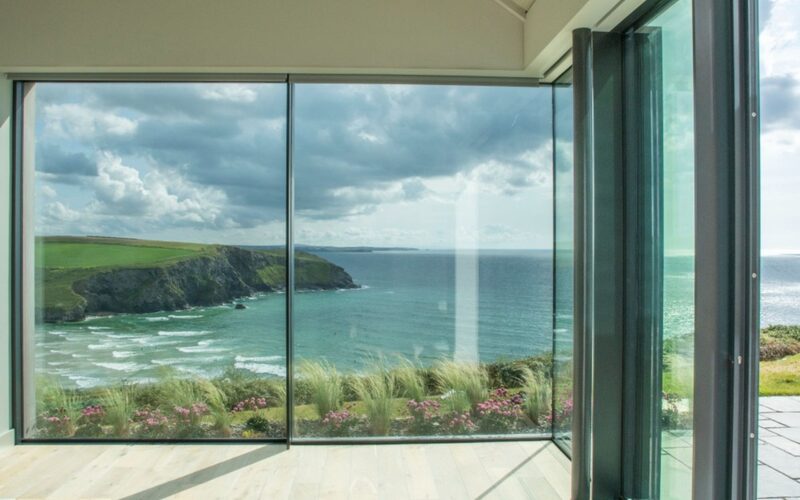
point(212, 275)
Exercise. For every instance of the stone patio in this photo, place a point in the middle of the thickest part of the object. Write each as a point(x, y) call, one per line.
point(779, 447)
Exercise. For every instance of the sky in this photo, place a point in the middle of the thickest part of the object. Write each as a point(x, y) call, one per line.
point(377, 165)
point(780, 125)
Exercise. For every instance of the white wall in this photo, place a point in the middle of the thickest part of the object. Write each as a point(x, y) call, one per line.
point(6, 435)
point(250, 35)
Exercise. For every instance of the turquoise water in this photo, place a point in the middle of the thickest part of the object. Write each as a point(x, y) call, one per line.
point(410, 304)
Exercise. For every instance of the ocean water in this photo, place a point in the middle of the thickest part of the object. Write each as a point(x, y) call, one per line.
point(421, 305)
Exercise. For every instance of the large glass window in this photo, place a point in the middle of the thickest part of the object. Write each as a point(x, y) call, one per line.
point(155, 260)
point(563, 239)
point(436, 204)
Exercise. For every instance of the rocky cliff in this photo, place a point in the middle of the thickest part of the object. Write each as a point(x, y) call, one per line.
point(214, 278)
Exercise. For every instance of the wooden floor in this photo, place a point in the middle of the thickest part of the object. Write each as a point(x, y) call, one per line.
point(506, 470)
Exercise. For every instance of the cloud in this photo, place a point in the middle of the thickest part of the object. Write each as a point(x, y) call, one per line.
point(63, 164)
point(122, 191)
point(229, 92)
point(78, 121)
point(214, 154)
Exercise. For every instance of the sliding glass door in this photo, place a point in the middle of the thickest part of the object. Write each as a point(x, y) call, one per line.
point(433, 205)
point(662, 225)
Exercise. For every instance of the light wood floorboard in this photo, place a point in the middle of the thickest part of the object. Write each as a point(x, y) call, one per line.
point(504, 470)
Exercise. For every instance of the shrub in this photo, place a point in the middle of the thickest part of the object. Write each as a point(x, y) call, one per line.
point(776, 347)
point(376, 391)
point(151, 423)
point(459, 423)
point(250, 404)
point(465, 379)
point(538, 394)
point(339, 423)
point(257, 423)
point(55, 424)
point(324, 385)
point(500, 413)
point(424, 416)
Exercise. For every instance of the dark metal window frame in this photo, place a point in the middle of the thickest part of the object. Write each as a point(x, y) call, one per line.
point(20, 79)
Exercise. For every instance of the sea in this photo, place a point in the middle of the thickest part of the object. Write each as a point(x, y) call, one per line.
point(419, 305)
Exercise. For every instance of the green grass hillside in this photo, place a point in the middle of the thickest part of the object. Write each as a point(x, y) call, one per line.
point(69, 269)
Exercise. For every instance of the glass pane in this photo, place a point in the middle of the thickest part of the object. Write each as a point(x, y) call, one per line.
point(674, 27)
point(424, 228)
point(158, 221)
point(563, 262)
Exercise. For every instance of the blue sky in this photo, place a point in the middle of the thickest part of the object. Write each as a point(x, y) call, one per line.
point(422, 166)
point(780, 125)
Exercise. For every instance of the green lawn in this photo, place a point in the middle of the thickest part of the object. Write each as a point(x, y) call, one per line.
point(92, 255)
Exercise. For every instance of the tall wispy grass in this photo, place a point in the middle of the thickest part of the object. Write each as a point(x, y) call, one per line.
point(376, 390)
point(119, 407)
point(410, 382)
point(325, 386)
point(218, 407)
point(538, 394)
point(58, 400)
point(461, 381)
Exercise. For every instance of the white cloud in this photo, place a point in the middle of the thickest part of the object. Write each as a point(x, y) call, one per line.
point(122, 191)
point(232, 92)
point(77, 121)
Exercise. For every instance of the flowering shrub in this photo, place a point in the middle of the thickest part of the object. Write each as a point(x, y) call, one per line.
point(251, 404)
point(459, 423)
point(90, 420)
point(499, 413)
point(192, 414)
point(56, 424)
point(339, 423)
point(562, 416)
point(425, 416)
point(93, 414)
point(152, 423)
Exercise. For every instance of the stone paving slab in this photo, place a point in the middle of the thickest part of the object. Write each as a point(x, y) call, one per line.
point(779, 447)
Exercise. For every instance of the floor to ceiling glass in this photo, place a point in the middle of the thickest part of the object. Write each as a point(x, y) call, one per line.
point(563, 241)
point(434, 205)
point(154, 255)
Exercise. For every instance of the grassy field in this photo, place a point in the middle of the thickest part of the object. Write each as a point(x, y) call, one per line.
point(88, 253)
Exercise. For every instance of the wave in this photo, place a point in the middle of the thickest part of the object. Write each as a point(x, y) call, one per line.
point(83, 381)
point(184, 333)
point(100, 347)
point(200, 348)
point(80, 355)
point(57, 363)
point(123, 354)
point(60, 333)
point(122, 367)
point(257, 359)
point(120, 336)
point(157, 318)
point(262, 368)
point(185, 316)
point(93, 328)
point(57, 351)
